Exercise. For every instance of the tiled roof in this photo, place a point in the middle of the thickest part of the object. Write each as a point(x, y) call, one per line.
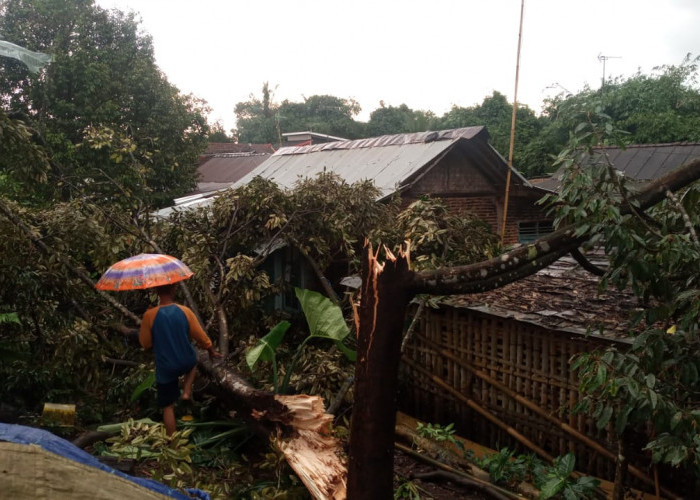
point(562, 297)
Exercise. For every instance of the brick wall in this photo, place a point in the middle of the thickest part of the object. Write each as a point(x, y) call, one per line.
point(467, 189)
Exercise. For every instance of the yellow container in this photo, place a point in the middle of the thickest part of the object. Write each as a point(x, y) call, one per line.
point(58, 414)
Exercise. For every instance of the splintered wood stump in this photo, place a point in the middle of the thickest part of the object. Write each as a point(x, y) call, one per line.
point(299, 425)
point(371, 460)
point(311, 450)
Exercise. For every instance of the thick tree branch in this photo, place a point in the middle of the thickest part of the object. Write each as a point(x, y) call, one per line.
point(585, 263)
point(527, 260)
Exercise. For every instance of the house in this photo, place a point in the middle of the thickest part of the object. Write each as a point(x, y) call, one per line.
point(458, 165)
point(638, 162)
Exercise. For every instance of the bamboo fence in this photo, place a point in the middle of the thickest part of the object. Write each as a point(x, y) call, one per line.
point(503, 383)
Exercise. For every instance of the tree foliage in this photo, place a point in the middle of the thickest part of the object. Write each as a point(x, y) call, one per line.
point(264, 121)
point(387, 120)
point(257, 120)
point(656, 253)
point(324, 114)
point(103, 77)
point(657, 108)
point(495, 113)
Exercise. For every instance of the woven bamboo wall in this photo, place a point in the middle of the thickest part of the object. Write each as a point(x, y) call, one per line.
point(530, 360)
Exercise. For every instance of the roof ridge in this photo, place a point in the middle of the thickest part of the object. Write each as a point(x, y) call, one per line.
point(387, 140)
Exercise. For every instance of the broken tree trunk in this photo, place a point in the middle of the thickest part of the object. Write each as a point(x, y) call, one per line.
point(299, 425)
point(311, 450)
point(371, 452)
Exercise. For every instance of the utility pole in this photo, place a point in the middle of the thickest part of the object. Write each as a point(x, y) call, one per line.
point(512, 126)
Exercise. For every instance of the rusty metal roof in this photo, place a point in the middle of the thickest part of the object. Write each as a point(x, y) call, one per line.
point(227, 169)
point(223, 163)
point(640, 162)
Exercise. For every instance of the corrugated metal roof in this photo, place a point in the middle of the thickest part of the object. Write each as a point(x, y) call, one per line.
point(391, 140)
point(641, 162)
point(390, 161)
point(229, 168)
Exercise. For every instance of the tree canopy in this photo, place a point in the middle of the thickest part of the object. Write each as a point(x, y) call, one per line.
point(263, 120)
point(111, 124)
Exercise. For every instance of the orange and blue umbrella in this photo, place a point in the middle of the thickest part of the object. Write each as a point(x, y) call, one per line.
point(145, 270)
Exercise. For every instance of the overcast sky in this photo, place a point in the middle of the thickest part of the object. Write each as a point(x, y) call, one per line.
point(427, 54)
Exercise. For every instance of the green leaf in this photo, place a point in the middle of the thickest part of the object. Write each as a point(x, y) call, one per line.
point(601, 376)
point(9, 318)
point(552, 487)
point(654, 399)
point(604, 418)
point(566, 464)
point(676, 419)
point(147, 383)
point(265, 349)
point(325, 318)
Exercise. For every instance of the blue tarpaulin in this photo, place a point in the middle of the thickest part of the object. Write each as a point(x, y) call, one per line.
point(21, 434)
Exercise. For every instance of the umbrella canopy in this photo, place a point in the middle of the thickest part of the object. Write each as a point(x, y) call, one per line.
point(145, 270)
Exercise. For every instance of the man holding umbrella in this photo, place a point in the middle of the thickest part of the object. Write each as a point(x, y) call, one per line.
point(169, 328)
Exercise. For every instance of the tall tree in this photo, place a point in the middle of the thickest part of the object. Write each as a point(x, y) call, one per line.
point(257, 120)
point(262, 120)
point(103, 76)
point(325, 114)
point(495, 113)
point(398, 120)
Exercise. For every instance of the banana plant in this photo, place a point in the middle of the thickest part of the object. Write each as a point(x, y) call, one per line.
point(325, 320)
point(265, 349)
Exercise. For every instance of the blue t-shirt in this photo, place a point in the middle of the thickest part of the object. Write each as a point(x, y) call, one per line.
point(172, 348)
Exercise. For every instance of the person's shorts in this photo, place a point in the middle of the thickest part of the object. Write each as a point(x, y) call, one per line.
point(169, 392)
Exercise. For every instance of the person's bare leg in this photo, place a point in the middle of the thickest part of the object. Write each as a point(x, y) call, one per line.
point(169, 419)
point(187, 385)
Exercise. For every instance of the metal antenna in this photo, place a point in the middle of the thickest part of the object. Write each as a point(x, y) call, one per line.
point(602, 59)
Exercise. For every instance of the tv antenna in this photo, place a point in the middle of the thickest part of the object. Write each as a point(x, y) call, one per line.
point(602, 59)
